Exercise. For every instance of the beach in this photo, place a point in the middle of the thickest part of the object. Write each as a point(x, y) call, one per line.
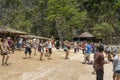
point(57, 68)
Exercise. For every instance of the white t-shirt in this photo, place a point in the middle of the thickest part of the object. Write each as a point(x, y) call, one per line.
point(49, 44)
point(20, 40)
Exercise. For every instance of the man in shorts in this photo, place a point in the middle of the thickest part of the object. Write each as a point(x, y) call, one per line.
point(28, 50)
point(20, 43)
point(88, 50)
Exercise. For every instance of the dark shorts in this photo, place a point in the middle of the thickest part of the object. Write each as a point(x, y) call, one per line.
point(28, 50)
point(50, 50)
point(117, 71)
point(65, 50)
point(19, 45)
point(4, 53)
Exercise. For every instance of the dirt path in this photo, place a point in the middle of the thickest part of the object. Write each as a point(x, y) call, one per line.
point(55, 69)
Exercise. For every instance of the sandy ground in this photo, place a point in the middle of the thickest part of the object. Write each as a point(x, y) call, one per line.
point(55, 69)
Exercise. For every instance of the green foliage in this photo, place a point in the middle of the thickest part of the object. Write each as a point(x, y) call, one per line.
point(103, 30)
point(66, 16)
point(62, 18)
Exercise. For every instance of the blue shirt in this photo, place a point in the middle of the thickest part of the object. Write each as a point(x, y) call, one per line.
point(88, 49)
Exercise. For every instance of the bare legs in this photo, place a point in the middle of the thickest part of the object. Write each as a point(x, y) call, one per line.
point(86, 58)
point(35, 51)
point(5, 59)
point(116, 76)
point(67, 54)
point(41, 55)
point(50, 53)
point(27, 50)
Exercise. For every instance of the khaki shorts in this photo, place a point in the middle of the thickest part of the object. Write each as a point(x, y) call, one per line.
point(87, 56)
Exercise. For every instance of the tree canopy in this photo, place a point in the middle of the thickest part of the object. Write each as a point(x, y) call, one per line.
point(64, 19)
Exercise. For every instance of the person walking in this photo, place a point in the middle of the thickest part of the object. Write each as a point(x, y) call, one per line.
point(75, 47)
point(4, 51)
point(88, 51)
point(99, 63)
point(109, 53)
point(35, 46)
point(46, 48)
point(11, 44)
point(66, 49)
point(57, 45)
point(41, 49)
point(50, 45)
point(20, 43)
point(83, 47)
point(116, 67)
point(28, 50)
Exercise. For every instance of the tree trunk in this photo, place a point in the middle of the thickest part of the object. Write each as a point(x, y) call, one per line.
point(59, 29)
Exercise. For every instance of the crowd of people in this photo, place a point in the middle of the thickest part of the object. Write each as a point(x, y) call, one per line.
point(44, 47)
